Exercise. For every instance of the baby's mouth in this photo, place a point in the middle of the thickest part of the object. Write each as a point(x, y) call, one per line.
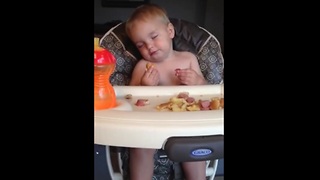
point(153, 53)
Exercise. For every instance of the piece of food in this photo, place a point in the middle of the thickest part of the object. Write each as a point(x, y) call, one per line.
point(194, 107)
point(222, 102)
point(204, 104)
point(149, 65)
point(128, 96)
point(142, 102)
point(179, 107)
point(190, 100)
point(184, 95)
point(165, 106)
point(183, 102)
point(215, 103)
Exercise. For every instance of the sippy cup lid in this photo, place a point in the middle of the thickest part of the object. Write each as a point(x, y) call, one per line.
point(103, 56)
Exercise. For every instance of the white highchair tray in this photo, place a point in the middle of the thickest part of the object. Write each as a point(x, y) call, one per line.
point(128, 125)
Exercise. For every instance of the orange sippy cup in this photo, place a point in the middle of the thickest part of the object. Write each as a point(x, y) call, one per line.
point(104, 65)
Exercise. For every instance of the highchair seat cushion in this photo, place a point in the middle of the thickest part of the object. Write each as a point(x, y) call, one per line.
point(188, 37)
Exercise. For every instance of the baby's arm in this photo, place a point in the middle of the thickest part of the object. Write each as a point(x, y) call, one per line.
point(196, 67)
point(191, 75)
point(137, 73)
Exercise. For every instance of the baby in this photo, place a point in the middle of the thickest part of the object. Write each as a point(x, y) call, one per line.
point(151, 31)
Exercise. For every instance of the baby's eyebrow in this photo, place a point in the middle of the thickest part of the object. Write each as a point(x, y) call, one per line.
point(152, 33)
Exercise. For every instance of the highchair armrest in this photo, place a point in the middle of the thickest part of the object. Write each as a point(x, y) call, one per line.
point(195, 148)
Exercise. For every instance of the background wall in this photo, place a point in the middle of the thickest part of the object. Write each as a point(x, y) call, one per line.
point(206, 13)
point(214, 19)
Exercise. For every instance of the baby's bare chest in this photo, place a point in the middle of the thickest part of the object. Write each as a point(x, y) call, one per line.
point(167, 70)
point(168, 75)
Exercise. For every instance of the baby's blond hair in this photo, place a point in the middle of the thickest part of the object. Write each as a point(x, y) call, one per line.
point(146, 12)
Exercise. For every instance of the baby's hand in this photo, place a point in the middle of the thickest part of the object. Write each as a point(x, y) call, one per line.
point(150, 77)
point(189, 77)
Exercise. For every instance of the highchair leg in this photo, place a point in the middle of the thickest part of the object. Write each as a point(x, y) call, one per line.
point(103, 169)
point(212, 169)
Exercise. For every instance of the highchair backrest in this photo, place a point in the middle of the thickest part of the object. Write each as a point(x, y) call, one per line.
point(188, 37)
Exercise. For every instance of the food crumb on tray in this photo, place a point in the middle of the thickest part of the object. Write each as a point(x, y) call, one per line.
point(184, 102)
point(142, 102)
point(128, 96)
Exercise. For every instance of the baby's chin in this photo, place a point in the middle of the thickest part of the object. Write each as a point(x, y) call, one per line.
point(155, 59)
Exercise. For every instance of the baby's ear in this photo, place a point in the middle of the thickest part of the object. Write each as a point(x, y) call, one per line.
point(171, 30)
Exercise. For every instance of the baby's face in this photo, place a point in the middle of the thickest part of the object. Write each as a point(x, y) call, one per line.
point(153, 38)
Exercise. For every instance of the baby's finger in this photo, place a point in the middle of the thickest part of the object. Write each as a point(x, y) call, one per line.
point(177, 71)
point(151, 72)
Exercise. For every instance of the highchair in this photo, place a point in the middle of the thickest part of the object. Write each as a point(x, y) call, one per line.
point(175, 149)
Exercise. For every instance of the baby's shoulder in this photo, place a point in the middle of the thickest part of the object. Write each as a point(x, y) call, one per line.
point(141, 62)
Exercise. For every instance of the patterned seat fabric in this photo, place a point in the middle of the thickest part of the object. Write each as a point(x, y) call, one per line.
point(188, 37)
